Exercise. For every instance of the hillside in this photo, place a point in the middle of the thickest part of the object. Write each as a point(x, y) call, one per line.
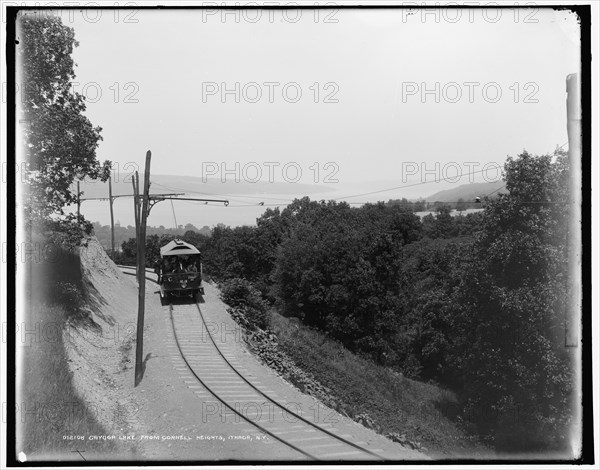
point(468, 192)
point(71, 376)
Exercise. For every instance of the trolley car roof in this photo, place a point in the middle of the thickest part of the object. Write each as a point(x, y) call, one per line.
point(178, 247)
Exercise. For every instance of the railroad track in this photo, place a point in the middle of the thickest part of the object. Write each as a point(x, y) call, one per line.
point(242, 398)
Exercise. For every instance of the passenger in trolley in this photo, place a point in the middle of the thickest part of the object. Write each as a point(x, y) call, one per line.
point(181, 273)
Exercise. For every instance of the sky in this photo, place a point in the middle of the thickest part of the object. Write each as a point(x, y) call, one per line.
point(359, 100)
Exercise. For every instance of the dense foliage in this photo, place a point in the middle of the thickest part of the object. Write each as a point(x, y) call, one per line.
point(510, 354)
point(240, 293)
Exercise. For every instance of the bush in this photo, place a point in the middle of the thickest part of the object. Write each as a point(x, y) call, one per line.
point(68, 295)
point(240, 293)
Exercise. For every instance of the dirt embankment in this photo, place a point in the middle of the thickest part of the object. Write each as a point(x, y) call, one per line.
point(98, 349)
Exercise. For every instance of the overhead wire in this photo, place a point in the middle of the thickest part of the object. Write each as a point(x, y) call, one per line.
point(284, 199)
point(437, 180)
point(224, 195)
point(242, 203)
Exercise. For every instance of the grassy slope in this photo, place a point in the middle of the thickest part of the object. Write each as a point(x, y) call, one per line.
point(395, 403)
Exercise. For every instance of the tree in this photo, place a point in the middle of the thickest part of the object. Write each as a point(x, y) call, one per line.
point(442, 225)
point(337, 267)
point(510, 351)
point(59, 140)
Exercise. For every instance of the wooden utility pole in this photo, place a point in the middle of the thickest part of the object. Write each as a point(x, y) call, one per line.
point(573, 317)
point(112, 218)
point(135, 181)
point(141, 269)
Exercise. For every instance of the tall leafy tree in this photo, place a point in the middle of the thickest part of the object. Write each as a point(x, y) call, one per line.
point(59, 141)
point(515, 367)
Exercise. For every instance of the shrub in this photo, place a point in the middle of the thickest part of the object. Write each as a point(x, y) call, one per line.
point(240, 293)
point(69, 296)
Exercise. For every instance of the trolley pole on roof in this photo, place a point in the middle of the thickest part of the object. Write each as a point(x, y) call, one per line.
point(141, 269)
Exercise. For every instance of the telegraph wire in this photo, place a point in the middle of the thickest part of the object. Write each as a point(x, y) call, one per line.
point(437, 180)
point(173, 188)
point(224, 195)
point(342, 198)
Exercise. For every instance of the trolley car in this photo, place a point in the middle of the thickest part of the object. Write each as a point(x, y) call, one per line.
point(179, 270)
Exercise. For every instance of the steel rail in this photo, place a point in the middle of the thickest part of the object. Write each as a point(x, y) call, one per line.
point(212, 392)
point(329, 433)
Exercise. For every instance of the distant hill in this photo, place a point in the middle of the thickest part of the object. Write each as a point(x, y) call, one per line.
point(194, 186)
point(468, 192)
